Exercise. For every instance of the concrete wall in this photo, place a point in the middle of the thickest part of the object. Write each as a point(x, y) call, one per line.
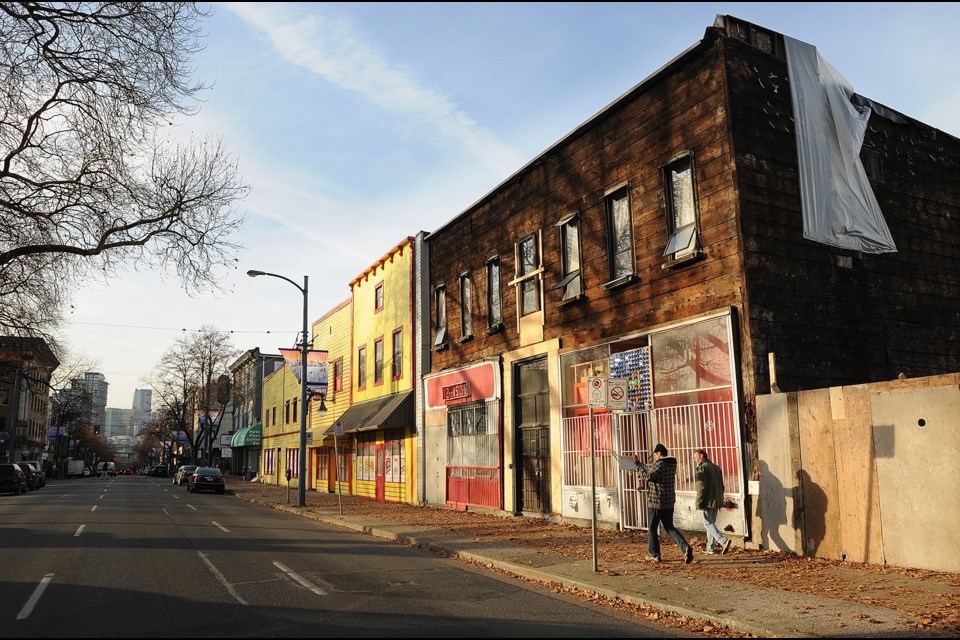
point(865, 473)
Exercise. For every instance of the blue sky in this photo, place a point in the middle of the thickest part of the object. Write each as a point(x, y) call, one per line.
point(359, 124)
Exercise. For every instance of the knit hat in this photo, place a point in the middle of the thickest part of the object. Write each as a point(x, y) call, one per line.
point(662, 450)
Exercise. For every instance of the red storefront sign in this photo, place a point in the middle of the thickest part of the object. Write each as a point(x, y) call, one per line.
point(475, 383)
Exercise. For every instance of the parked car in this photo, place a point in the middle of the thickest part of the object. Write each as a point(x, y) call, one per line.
point(12, 479)
point(87, 472)
point(38, 469)
point(32, 478)
point(159, 471)
point(184, 473)
point(209, 478)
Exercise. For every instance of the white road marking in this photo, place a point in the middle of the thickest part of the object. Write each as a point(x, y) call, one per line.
point(216, 572)
point(192, 507)
point(220, 525)
point(165, 510)
point(32, 602)
point(306, 584)
point(79, 531)
point(94, 508)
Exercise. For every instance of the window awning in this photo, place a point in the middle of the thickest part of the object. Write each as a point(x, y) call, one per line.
point(395, 410)
point(247, 437)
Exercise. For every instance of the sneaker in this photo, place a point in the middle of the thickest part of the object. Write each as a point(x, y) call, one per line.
point(709, 552)
point(724, 547)
point(652, 558)
point(688, 556)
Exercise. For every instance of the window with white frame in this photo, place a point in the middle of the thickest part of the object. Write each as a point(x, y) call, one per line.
point(397, 369)
point(571, 284)
point(466, 304)
point(293, 462)
point(378, 297)
point(378, 361)
point(529, 272)
point(440, 304)
point(494, 305)
point(361, 368)
point(269, 461)
point(681, 203)
point(619, 234)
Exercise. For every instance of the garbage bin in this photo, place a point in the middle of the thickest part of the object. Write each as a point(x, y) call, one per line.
point(249, 475)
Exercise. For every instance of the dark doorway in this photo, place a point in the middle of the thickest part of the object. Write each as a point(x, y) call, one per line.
point(532, 402)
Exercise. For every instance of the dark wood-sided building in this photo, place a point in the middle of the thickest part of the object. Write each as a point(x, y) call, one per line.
point(683, 240)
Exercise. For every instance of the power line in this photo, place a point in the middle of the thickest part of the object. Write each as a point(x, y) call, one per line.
point(182, 330)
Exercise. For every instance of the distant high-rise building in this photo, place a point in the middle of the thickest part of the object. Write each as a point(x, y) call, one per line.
point(142, 399)
point(96, 385)
point(142, 411)
point(117, 422)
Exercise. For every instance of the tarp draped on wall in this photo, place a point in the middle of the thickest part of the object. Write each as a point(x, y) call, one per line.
point(839, 208)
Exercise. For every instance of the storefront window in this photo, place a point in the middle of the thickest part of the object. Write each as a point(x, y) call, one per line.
point(471, 436)
point(692, 364)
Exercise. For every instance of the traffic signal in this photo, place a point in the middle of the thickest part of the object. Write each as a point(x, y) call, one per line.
point(96, 429)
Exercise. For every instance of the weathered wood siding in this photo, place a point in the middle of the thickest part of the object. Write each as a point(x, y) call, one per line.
point(682, 109)
point(832, 316)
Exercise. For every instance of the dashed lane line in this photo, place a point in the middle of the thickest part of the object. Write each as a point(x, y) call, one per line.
point(35, 597)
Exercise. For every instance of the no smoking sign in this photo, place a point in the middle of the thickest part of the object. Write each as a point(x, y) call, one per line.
point(617, 394)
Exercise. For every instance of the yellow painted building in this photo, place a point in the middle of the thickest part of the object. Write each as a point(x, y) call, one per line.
point(281, 427)
point(380, 421)
point(333, 334)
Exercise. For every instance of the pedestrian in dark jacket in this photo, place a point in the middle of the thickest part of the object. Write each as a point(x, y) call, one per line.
point(661, 476)
point(710, 499)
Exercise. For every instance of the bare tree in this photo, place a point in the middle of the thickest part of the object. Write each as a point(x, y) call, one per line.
point(191, 386)
point(89, 183)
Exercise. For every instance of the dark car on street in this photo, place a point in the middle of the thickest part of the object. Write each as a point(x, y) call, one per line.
point(12, 479)
point(206, 478)
point(159, 471)
point(31, 475)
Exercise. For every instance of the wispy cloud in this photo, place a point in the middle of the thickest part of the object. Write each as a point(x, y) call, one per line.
point(328, 48)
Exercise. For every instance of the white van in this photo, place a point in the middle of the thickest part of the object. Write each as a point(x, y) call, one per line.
point(106, 467)
point(74, 468)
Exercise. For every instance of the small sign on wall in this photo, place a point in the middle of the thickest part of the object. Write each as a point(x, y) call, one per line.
point(457, 391)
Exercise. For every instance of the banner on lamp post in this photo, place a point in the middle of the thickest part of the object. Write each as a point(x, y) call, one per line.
point(316, 368)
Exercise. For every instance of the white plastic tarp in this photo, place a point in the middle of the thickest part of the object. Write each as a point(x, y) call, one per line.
point(839, 208)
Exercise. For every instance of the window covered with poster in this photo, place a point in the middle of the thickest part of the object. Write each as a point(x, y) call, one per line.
point(394, 460)
point(367, 456)
point(681, 375)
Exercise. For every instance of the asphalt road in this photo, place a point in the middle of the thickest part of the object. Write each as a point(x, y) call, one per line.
point(140, 557)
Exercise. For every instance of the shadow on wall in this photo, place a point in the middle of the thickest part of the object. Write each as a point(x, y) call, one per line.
point(814, 512)
point(774, 514)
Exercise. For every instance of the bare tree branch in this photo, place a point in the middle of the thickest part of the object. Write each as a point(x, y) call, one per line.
point(89, 181)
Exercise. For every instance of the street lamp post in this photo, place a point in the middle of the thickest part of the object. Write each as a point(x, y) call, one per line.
point(302, 467)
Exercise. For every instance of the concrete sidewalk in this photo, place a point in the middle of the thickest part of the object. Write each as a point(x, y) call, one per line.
point(745, 591)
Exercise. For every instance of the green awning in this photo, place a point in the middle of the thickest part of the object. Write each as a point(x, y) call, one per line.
point(248, 437)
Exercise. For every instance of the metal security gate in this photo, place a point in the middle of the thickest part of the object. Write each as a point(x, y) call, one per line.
point(712, 426)
point(632, 434)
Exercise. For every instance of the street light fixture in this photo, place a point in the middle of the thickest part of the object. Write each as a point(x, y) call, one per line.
point(302, 467)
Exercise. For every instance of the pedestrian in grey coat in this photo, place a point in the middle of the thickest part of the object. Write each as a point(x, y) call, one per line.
point(710, 499)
